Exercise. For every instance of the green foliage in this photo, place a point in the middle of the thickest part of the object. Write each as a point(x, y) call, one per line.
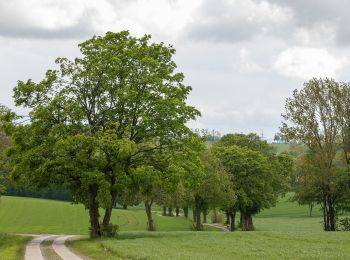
point(252, 177)
point(250, 141)
point(92, 120)
point(216, 188)
point(110, 230)
point(343, 224)
point(258, 175)
point(318, 116)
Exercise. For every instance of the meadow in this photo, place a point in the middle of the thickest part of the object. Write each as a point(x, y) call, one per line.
point(29, 215)
point(285, 231)
point(219, 245)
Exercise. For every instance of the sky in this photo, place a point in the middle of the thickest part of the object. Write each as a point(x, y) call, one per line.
point(243, 58)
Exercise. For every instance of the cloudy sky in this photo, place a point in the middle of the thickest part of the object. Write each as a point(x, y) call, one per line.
point(243, 58)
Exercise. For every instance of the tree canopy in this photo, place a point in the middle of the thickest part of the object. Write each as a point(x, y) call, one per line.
point(258, 176)
point(318, 116)
point(92, 119)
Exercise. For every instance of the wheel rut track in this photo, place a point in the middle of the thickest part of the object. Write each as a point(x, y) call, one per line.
point(33, 251)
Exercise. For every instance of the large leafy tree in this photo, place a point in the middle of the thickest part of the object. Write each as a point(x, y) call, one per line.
point(258, 175)
point(120, 100)
point(318, 116)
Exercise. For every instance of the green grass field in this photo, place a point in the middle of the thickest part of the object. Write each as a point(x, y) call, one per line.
point(12, 247)
point(28, 215)
point(219, 245)
point(285, 231)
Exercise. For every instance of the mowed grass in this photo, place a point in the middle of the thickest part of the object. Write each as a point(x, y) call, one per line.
point(219, 245)
point(28, 215)
point(12, 247)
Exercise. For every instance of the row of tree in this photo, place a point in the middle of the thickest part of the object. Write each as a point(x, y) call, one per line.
point(111, 126)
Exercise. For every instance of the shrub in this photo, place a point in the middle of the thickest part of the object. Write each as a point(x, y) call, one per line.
point(109, 231)
point(344, 224)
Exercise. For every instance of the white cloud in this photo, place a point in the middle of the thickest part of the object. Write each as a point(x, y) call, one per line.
point(234, 21)
point(306, 63)
point(319, 35)
point(81, 18)
point(246, 64)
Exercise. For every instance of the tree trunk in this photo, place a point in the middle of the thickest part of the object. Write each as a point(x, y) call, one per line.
point(205, 215)
point(198, 214)
point(233, 220)
point(246, 221)
point(150, 222)
point(125, 206)
point(185, 212)
point(95, 230)
point(164, 210)
point(241, 220)
point(329, 214)
point(108, 211)
point(170, 212)
point(227, 213)
point(177, 211)
point(215, 216)
point(311, 206)
point(194, 213)
point(332, 218)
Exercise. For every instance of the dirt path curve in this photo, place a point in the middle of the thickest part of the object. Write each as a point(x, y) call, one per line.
point(33, 251)
point(219, 226)
point(60, 248)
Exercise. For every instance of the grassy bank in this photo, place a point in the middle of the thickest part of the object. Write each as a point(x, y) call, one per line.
point(12, 247)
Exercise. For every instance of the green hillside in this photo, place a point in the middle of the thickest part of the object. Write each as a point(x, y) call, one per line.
point(28, 215)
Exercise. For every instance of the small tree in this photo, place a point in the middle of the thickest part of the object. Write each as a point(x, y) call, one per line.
point(215, 188)
point(156, 175)
point(258, 176)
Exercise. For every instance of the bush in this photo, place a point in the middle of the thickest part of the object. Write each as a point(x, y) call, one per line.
point(344, 224)
point(109, 231)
